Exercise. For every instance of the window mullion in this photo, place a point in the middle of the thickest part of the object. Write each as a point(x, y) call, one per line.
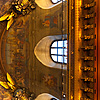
point(57, 51)
point(63, 51)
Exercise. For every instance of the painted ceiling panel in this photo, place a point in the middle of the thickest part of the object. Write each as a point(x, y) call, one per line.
point(4, 94)
point(14, 51)
point(17, 51)
point(4, 6)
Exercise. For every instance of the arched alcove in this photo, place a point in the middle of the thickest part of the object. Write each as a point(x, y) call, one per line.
point(45, 96)
point(46, 4)
point(42, 51)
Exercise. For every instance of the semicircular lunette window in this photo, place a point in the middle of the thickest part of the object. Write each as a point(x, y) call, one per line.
point(55, 1)
point(58, 51)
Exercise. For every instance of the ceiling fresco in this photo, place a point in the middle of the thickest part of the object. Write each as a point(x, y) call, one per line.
point(14, 54)
point(4, 94)
point(5, 5)
point(17, 57)
point(15, 51)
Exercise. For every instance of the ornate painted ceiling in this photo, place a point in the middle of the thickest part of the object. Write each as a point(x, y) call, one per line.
point(17, 44)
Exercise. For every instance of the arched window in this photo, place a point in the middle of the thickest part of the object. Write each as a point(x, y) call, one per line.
point(58, 51)
point(45, 54)
point(55, 1)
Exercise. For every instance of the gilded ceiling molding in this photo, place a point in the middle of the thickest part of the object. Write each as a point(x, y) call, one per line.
point(17, 92)
point(17, 8)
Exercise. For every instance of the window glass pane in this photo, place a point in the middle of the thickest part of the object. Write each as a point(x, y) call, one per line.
point(60, 43)
point(65, 51)
point(60, 51)
point(54, 57)
point(54, 44)
point(60, 59)
point(56, 1)
point(53, 51)
point(65, 43)
point(65, 59)
point(57, 51)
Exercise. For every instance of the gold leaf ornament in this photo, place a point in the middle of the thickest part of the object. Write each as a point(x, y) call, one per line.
point(4, 17)
point(8, 17)
point(4, 84)
point(10, 79)
point(11, 86)
point(10, 22)
point(24, 2)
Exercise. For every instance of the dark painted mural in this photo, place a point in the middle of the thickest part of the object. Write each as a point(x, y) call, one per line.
point(17, 50)
point(4, 6)
point(50, 21)
point(15, 47)
point(50, 81)
point(4, 94)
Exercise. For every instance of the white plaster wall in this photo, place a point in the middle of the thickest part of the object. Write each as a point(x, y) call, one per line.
point(45, 96)
point(46, 4)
